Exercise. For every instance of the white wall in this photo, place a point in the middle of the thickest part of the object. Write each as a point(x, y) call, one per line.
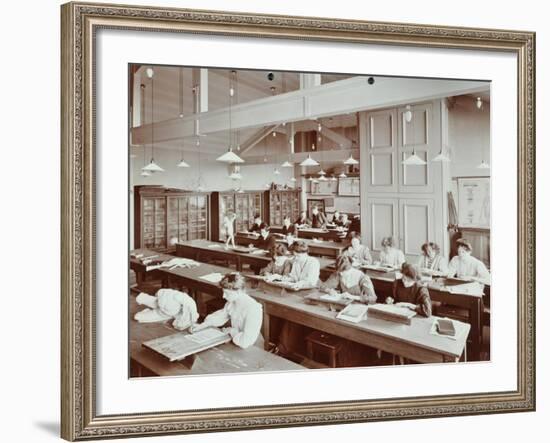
point(469, 138)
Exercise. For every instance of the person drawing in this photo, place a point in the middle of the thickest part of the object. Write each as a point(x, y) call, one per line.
point(242, 312)
point(279, 265)
point(390, 255)
point(464, 265)
point(410, 293)
point(431, 260)
point(350, 280)
point(359, 253)
point(305, 269)
point(303, 221)
point(257, 224)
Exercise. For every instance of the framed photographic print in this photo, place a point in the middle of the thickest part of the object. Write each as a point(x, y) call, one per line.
point(201, 289)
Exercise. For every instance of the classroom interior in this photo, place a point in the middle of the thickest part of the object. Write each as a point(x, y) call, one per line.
point(225, 162)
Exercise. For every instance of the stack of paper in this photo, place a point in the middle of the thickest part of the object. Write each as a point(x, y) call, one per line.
point(214, 277)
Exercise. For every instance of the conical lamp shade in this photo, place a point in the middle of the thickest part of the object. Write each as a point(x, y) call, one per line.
point(309, 162)
point(414, 160)
point(230, 157)
point(277, 172)
point(351, 161)
point(342, 175)
point(322, 172)
point(333, 178)
point(483, 165)
point(293, 179)
point(441, 158)
point(322, 178)
point(236, 176)
point(152, 167)
point(183, 164)
point(287, 164)
point(145, 173)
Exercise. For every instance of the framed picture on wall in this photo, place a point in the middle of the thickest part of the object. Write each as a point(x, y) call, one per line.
point(188, 334)
point(474, 202)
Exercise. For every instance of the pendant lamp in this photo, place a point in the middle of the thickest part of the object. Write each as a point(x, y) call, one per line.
point(152, 166)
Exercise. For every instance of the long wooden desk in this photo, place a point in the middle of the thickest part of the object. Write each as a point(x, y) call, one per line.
point(204, 250)
point(321, 248)
point(412, 341)
point(139, 268)
point(325, 234)
point(220, 359)
point(384, 282)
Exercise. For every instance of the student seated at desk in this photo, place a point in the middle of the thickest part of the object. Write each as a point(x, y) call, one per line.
point(431, 259)
point(305, 269)
point(465, 266)
point(242, 312)
point(290, 240)
point(410, 291)
point(288, 227)
point(390, 255)
point(351, 280)
point(359, 254)
point(280, 263)
point(335, 218)
point(266, 240)
point(303, 221)
point(344, 221)
point(318, 219)
point(257, 224)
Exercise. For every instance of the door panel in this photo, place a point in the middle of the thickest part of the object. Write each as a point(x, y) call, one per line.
point(383, 221)
point(416, 225)
point(381, 141)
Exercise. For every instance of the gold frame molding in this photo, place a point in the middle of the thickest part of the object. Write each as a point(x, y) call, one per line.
point(79, 22)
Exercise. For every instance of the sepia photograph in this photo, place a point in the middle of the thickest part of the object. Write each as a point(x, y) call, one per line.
point(294, 221)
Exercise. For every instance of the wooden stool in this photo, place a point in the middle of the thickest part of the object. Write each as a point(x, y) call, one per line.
point(322, 343)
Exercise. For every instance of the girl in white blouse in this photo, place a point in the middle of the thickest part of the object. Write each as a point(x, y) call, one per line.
point(359, 254)
point(243, 313)
point(465, 266)
point(390, 255)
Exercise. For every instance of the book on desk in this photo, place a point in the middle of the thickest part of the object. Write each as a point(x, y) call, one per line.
point(180, 345)
point(394, 313)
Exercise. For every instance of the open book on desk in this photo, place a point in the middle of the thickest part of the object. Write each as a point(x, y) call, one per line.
point(380, 268)
point(178, 346)
point(353, 313)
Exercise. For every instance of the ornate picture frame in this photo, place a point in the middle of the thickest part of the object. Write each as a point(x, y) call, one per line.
point(80, 22)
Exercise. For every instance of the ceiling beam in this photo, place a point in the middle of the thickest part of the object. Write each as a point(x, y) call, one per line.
point(255, 139)
point(339, 97)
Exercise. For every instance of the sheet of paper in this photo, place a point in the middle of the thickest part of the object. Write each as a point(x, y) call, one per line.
point(214, 277)
point(206, 335)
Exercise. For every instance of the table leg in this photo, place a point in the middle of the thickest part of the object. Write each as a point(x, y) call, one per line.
point(475, 321)
point(266, 328)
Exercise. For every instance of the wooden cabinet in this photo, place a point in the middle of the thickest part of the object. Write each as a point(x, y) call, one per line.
point(279, 203)
point(164, 216)
point(245, 205)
